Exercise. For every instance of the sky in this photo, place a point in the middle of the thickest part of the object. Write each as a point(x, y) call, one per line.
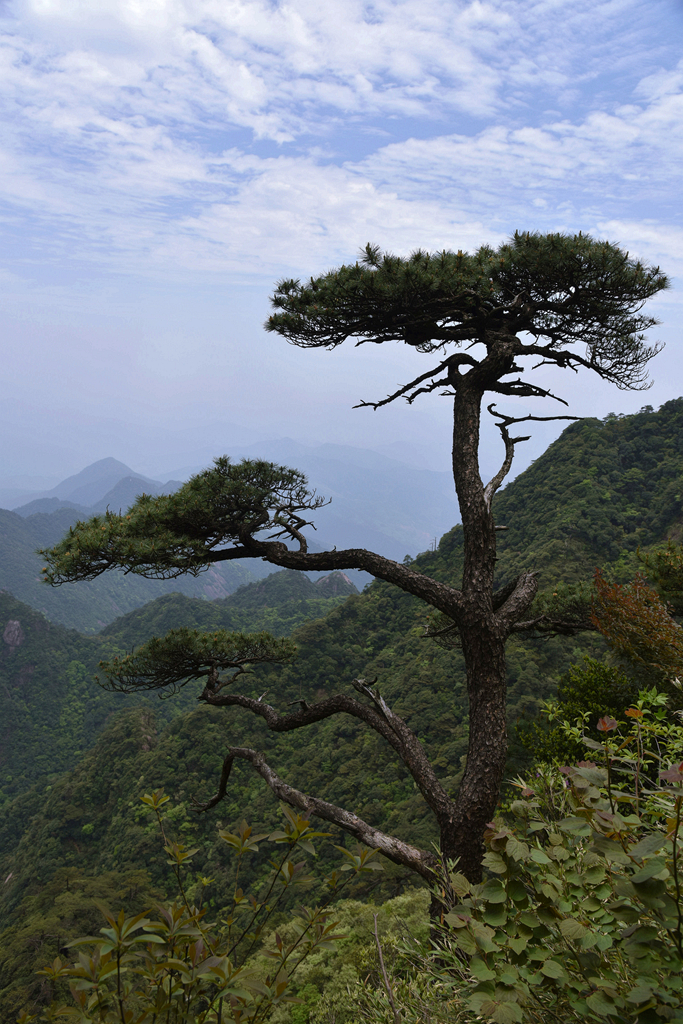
point(163, 163)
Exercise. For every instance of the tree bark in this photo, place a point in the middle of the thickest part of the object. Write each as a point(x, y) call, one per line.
point(405, 854)
point(483, 633)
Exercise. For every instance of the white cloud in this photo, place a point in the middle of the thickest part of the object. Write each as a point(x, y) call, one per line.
point(121, 145)
point(655, 242)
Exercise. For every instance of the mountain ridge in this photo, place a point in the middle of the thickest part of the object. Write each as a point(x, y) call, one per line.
point(603, 489)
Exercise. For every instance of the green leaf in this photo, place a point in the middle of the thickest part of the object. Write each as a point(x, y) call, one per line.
point(495, 915)
point(493, 891)
point(517, 892)
point(457, 920)
point(575, 826)
point(494, 862)
point(484, 937)
point(479, 969)
point(599, 1002)
point(551, 969)
point(507, 1013)
point(649, 845)
point(460, 884)
point(465, 941)
point(652, 868)
point(640, 993)
point(610, 850)
point(572, 929)
point(596, 776)
point(516, 849)
point(539, 953)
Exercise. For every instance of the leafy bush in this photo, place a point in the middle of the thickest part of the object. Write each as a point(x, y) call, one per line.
point(169, 964)
point(588, 690)
point(581, 915)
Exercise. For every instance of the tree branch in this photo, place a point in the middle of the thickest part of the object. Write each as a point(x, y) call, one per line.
point(380, 718)
point(510, 443)
point(452, 362)
point(439, 595)
point(546, 625)
point(519, 600)
point(522, 389)
point(421, 861)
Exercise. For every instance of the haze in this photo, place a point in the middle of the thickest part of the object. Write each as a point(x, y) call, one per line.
point(163, 163)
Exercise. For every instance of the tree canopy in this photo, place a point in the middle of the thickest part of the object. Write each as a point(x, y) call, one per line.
point(186, 654)
point(559, 290)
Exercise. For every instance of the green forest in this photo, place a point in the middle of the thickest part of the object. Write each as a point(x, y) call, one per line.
point(76, 759)
point(94, 605)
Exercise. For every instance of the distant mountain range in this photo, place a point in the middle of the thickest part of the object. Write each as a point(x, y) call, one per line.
point(107, 483)
point(90, 606)
point(377, 502)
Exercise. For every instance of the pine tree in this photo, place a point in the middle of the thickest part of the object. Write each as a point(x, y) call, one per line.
point(488, 319)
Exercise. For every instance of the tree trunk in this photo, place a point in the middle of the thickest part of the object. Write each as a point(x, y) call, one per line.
point(477, 798)
point(483, 643)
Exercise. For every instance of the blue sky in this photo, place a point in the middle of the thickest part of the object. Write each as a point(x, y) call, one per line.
point(163, 162)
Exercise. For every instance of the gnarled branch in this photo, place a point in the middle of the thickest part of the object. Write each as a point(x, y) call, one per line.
point(380, 718)
point(510, 442)
point(441, 596)
point(421, 861)
point(451, 363)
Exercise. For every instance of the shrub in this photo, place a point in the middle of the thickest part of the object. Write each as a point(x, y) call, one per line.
point(581, 915)
point(170, 964)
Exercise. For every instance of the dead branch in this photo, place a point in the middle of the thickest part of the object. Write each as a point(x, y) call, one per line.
point(510, 442)
point(380, 718)
point(421, 861)
point(451, 363)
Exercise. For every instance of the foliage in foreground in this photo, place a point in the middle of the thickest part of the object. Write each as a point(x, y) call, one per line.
point(581, 917)
point(170, 964)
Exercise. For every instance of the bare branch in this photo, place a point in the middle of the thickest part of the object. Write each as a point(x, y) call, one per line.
point(510, 442)
point(522, 389)
point(523, 419)
point(546, 625)
point(421, 861)
point(402, 391)
point(380, 718)
point(452, 363)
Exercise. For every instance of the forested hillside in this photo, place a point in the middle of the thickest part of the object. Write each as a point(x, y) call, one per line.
point(51, 709)
point(601, 490)
point(90, 606)
point(279, 603)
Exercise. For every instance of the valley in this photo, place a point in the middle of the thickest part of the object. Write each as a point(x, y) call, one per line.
point(75, 758)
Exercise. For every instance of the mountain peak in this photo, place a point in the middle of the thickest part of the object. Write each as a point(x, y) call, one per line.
point(88, 486)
